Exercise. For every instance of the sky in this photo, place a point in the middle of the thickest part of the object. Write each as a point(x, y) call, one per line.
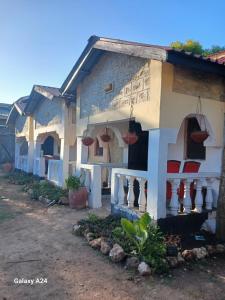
point(40, 40)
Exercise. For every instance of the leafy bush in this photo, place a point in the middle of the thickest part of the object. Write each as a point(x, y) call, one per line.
point(143, 239)
point(73, 182)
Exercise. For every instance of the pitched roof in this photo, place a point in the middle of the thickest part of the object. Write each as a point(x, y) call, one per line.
point(5, 110)
point(98, 45)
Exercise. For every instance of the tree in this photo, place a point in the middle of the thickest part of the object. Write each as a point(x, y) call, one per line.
point(189, 46)
point(196, 48)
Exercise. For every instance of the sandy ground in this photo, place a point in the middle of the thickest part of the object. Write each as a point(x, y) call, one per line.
point(36, 243)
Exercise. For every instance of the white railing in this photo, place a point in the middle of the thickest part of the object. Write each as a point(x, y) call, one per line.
point(91, 175)
point(39, 166)
point(124, 177)
point(23, 163)
point(106, 171)
point(198, 181)
point(72, 167)
point(55, 171)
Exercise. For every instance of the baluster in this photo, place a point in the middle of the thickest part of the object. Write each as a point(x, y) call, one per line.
point(174, 203)
point(130, 195)
point(198, 197)
point(187, 197)
point(121, 194)
point(142, 201)
point(209, 194)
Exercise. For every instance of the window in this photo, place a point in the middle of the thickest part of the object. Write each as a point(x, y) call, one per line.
point(98, 149)
point(193, 150)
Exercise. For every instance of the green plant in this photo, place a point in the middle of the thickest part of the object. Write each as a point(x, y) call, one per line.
point(73, 182)
point(145, 241)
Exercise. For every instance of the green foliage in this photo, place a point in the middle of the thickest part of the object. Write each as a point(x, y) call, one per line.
point(21, 178)
point(145, 241)
point(196, 48)
point(188, 46)
point(73, 182)
point(48, 190)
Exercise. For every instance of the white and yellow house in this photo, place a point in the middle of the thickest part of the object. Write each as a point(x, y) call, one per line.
point(162, 95)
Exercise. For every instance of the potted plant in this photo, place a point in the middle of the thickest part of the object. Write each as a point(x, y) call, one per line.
point(78, 195)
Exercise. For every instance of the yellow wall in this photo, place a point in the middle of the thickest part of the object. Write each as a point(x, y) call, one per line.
point(176, 106)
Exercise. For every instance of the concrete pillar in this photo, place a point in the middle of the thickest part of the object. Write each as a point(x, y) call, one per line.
point(17, 154)
point(82, 154)
point(157, 169)
point(30, 157)
point(64, 157)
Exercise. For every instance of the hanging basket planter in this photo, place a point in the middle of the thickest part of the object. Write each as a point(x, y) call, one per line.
point(130, 138)
point(87, 141)
point(105, 137)
point(199, 136)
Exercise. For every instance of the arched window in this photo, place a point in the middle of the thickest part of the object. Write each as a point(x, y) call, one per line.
point(193, 150)
point(98, 149)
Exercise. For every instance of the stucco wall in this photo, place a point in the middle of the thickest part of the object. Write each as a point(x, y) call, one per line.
point(48, 113)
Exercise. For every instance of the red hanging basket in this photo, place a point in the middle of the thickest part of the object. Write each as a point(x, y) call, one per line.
point(87, 141)
point(199, 136)
point(105, 137)
point(130, 138)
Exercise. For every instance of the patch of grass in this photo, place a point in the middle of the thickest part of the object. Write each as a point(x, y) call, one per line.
point(5, 215)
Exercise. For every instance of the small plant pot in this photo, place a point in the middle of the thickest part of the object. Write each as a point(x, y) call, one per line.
point(7, 167)
point(130, 138)
point(78, 198)
point(199, 136)
point(105, 138)
point(87, 141)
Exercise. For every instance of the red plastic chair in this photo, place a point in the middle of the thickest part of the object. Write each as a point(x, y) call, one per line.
point(189, 167)
point(173, 166)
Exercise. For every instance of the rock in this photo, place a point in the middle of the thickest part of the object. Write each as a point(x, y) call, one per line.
point(117, 253)
point(180, 259)
point(220, 248)
point(64, 200)
point(144, 269)
point(41, 198)
point(90, 236)
point(211, 249)
point(96, 243)
point(172, 261)
point(77, 230)
point(200, 253)
point(132, 262)
point(209, 225)
point(188, 255)
point(105, 247)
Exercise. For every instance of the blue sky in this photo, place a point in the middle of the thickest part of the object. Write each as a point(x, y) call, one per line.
point(41, 39)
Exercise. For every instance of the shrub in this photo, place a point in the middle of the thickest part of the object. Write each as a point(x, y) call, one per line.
point(73, 182)
point(144, 241)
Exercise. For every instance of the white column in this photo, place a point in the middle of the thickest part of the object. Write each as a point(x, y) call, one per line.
point(30, 157)
point(82, 154)
point(95, 196)
point(121, 193)
point(17, 154)
point(64, 157)
point(157, 170)
point(130, 195)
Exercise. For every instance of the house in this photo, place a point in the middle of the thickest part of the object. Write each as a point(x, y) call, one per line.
point(164, 96)
point(6, 135)
point(45, 134)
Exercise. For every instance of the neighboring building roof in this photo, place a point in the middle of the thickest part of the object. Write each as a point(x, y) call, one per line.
point(218, 56)
point(98, 45)
point(4, 110)
point(39, 93)
point(18, 108)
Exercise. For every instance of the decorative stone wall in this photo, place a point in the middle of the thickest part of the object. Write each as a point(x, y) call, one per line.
point(130, 79)
point(48, 113)
point(196, 83)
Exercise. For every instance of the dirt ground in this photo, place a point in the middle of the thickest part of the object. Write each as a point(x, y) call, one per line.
point(36, 243)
